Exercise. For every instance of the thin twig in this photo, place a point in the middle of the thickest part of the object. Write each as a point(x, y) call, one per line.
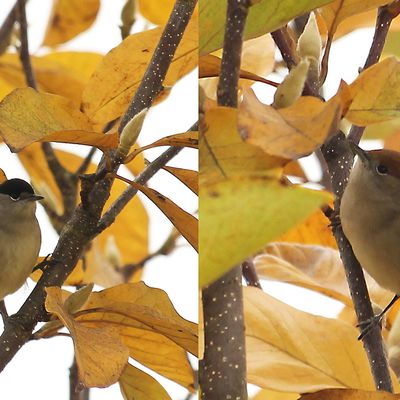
point(151, 84)
point(86, 162)
point(223, 299)
point(7, 28)
point(76, 390)
point(24, 50)
point(250, 274)
point(119, 204)
point(67, 182)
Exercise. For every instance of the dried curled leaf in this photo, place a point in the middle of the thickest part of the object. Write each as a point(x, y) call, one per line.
point(100, 354)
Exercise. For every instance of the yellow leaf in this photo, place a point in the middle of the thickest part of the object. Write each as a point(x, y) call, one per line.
point(184, 222)
point(99, 352)
point(155, 11)
point(186, 139)
point(3, 176)
point(290, 132)
point(243, 206)
point(271, 395)
point(137, 385)
point(112, 86)
point(313, 230)
point(62, 73)
point(27, 116)
point(210, 66)
point(223, 154)
point(290, 350)
point(239, 216)
point(314, 267)
point(376, 94)
point(187, 176)
point(337, 11)
point(131, 239)
point(102, 141)
point(69, 18)
point(160, 354)
point(349, 394)
point(138, 306)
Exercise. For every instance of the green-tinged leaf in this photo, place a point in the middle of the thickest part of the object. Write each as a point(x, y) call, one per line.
point(265, 16)
point(239, 216)
point(27, 116)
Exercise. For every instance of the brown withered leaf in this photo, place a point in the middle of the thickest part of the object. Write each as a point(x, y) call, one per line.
point(68, 19)
point(100, 354)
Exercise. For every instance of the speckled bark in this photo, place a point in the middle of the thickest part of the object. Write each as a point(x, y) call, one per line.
point(223, 370)
point(151, 84)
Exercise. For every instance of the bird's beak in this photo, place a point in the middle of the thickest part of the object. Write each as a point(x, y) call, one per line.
point(34, 197)
point(358, 151)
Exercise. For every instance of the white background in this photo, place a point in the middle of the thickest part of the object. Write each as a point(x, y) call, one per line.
point(40, 369)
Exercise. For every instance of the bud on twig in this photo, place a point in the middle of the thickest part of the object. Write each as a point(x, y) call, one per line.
point(309, 43)
point(130, 134)
point(292, 86)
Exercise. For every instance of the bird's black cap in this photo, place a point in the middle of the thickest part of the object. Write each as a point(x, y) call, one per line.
point(14, 188)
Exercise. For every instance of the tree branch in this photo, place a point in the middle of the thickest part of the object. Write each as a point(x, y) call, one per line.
point(119, 204)
point(151, 84)
point(383, 20)
point(66, 181)
point(7, 27)
point(78, 231)
point(223, 372)
point(250, 274)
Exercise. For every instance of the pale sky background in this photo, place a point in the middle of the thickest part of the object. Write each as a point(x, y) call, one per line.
point(40, 368)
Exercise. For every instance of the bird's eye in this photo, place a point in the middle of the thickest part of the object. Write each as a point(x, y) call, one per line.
point(14, 198)
point(382, 169)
